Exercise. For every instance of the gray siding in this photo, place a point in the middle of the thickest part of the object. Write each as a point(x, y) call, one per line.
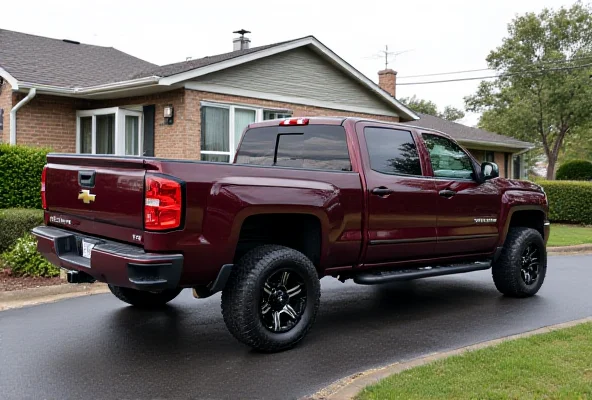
point(299, 73)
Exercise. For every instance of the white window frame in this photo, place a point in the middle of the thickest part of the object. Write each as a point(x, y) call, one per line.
point(232, 107)
point(120, 114)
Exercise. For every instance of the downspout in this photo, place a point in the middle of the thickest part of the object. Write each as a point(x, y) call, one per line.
point(28, 98)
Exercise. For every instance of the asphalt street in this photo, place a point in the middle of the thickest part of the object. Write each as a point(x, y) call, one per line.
point(99, 348)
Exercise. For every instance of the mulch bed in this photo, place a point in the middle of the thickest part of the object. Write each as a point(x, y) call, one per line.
point(8, 282)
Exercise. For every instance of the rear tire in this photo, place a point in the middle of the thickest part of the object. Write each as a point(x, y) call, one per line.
point(522, 266)
point(271, 298)
point(144, 299)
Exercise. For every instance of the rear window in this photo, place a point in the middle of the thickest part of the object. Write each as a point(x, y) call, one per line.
point(310, 146)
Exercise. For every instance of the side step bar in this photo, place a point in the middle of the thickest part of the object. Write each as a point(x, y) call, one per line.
point(417, 273)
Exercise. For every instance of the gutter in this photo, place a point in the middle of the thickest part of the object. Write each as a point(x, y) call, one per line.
point(28, 98)
point(93, 89)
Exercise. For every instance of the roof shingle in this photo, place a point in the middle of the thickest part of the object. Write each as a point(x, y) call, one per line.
point(463, 132)
point(41, 60)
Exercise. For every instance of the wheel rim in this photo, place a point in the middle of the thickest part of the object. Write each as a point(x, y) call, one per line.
point(530, 263)
point(283, 300)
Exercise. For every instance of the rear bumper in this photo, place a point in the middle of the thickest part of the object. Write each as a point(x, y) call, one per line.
point(111, 262)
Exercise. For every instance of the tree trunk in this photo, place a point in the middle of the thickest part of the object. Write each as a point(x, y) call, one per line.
point(552, 161)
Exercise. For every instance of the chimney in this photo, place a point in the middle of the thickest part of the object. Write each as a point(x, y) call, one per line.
point(241, 43)
point(387, 80)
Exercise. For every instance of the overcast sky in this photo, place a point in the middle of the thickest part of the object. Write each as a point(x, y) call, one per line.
point(441, 36)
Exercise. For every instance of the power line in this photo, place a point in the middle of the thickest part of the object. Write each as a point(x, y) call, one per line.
point(496, 76)
point(490, 69)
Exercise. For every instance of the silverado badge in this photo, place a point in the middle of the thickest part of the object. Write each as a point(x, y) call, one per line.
point(86, 197)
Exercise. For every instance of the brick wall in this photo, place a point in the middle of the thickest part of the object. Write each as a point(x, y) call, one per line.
point(6, 105)
point(169, 140)
point(48, 121)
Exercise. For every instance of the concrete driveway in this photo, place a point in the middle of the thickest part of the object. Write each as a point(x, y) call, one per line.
point(97, 347)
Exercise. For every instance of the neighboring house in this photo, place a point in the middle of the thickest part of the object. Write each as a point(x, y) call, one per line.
point(506, 152)
point(81, 98)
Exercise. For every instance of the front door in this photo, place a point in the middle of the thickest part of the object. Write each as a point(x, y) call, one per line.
point(401, 200)
point(467, 210)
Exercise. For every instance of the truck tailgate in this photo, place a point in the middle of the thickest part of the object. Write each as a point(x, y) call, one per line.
point(98, 189)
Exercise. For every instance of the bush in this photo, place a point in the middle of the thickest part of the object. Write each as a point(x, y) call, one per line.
point(15, 222)
point(576, 170)
point(20, 176)
point(569, 201)
point(24, 259)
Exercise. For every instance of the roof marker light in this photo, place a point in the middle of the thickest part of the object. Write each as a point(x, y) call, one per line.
point(295, 121)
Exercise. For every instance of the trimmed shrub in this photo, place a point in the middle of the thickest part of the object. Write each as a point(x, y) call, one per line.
point(14, 223)
point(24, 259)
point(20, 176)
point(576, 170)
point(569, 201)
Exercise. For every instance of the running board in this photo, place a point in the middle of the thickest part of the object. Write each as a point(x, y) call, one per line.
point(417, 273)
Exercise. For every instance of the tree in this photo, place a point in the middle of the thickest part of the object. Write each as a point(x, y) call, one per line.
point(543, 93)
point(429, 107)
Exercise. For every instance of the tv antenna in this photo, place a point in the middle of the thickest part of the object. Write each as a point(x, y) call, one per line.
point(386, 54)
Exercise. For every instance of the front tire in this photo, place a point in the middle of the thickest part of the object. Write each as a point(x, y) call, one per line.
point(144, 299)
point(271, 298)
point(522, 266)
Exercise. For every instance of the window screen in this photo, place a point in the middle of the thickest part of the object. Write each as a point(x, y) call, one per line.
point(392, 151)
point(447, 158)
point(311, 146)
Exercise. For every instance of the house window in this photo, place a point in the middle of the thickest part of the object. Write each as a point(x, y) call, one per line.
point(517, 167)
point(222, 126)
point(115, 131)
point(489, 156)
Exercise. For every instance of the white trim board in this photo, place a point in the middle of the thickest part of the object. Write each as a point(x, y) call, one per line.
point(9, 78)
point(208, 87)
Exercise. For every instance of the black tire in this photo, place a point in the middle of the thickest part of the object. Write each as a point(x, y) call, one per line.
point(144, 299)
point(508, 271)
point(248, 294)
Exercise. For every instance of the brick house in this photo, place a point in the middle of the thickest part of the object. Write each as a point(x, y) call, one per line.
point(80, 98)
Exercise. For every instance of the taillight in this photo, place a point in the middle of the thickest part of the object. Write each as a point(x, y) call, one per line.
point(162, 204)
point(43, 200)
point(295, 121)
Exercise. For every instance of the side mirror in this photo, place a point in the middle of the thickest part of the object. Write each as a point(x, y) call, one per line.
point(489, 170)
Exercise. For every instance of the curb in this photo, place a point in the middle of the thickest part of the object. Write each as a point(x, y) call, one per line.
point(348, 387)
point(48, 294)
point(570, 249)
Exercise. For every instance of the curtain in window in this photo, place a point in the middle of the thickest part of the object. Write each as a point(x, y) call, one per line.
point(242, 118)
point(106, 134)
point(215, 126)
point(86, 135)
point(132, 134)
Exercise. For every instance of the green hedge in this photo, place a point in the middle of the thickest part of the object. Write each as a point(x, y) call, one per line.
point(20, 176)
point(569, 201)
point(14, 223)
point(575, 170)
point(24, 259)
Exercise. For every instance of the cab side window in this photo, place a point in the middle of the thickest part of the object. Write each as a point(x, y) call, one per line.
point(447, 158)
point(392, 151)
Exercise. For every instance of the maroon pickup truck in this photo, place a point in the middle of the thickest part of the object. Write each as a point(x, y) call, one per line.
point(305, 198)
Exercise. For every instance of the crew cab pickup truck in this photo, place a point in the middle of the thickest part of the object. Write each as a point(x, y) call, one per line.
point(304, 198)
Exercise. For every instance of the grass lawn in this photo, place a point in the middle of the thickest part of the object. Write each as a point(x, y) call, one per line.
point(568, 235)
point(556, 365)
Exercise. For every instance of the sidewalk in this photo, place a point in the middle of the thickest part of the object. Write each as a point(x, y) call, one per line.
point(48, 294)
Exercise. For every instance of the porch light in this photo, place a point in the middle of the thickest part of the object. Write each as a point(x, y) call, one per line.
point(168, 114)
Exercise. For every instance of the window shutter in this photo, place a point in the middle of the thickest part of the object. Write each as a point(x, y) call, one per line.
point(149, 113)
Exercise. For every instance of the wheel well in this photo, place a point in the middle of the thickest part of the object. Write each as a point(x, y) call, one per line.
point(529, 219)
point(301, 232)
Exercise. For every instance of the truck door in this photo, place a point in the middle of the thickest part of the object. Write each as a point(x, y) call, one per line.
point(468, 210)
point(401, 201)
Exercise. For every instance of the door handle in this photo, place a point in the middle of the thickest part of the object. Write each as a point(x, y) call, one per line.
point(382, 191)
point(447, 193)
